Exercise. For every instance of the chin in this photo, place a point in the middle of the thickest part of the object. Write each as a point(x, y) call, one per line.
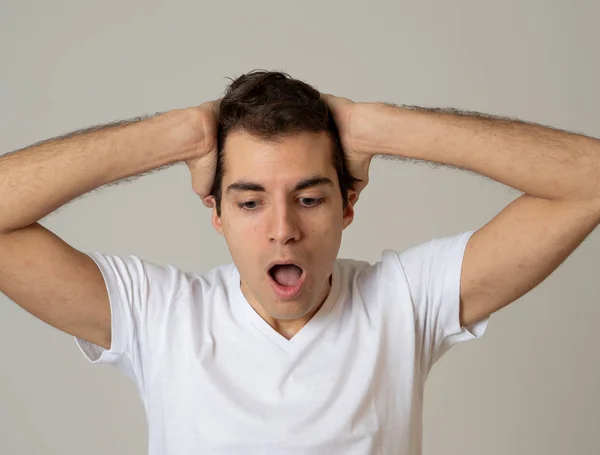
point(289, 310)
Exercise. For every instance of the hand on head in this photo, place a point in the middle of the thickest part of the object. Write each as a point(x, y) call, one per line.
point(346, 114)
point(204, 164)
point(349, 118)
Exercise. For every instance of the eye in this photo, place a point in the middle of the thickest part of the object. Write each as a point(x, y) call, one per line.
point(248, 205)
point(311, 201)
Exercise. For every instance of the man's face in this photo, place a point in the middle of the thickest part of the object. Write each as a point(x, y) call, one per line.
point(281, 202)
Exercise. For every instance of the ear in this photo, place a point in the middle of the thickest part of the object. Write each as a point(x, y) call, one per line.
point(216, 220)
point(349, 210)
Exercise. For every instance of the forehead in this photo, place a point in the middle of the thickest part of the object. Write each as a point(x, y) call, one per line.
point(293, 157)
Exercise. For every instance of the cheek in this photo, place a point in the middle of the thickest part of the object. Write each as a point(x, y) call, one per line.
point(239, 230)
point(325, 225)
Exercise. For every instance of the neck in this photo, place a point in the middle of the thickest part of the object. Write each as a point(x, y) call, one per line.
point(287, 328)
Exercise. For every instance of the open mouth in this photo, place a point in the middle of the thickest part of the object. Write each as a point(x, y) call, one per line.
point(287, 280)
point(286, 274)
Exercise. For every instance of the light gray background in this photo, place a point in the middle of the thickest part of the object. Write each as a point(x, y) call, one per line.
point(530, 386)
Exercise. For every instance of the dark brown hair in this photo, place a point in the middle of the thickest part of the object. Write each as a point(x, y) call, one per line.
point(271, 105)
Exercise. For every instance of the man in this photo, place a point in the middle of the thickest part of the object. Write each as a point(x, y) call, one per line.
point(290, 349)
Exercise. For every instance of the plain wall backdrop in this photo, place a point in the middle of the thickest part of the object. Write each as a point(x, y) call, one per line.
point(531, 385)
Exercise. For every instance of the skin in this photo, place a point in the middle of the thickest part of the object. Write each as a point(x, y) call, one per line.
point(558, 172)
point(269, 219)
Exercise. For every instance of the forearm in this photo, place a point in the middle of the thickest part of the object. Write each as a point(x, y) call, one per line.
point(536, 160)
point(39, 179)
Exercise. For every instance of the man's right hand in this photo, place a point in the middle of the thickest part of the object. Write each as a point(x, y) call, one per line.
point(204, 165)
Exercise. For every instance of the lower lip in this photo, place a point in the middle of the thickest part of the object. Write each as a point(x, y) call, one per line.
point(287, 292)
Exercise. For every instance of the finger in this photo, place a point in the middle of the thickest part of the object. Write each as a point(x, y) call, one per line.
point(328, 98)
point(217, 106)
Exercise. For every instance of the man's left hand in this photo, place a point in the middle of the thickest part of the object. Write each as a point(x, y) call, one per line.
point(353, 125)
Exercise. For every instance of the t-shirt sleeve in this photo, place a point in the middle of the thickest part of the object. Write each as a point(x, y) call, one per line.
point(433, 272)
point(138, 291)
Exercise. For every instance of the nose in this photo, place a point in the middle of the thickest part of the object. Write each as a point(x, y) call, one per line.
point(284, 226)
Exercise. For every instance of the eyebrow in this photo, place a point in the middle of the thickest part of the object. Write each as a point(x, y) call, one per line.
point(310, 182)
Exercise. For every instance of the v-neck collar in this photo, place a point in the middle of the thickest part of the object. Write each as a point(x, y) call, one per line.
point(307, 333)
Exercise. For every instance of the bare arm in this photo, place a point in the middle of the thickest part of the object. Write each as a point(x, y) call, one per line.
point(558, 171)
point(38, 270)
point(39, 179)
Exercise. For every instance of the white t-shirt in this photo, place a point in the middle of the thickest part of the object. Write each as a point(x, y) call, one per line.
point(216, 379)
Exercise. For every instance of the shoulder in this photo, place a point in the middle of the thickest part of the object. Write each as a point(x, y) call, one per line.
point(418, 261)
point(135, 275)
